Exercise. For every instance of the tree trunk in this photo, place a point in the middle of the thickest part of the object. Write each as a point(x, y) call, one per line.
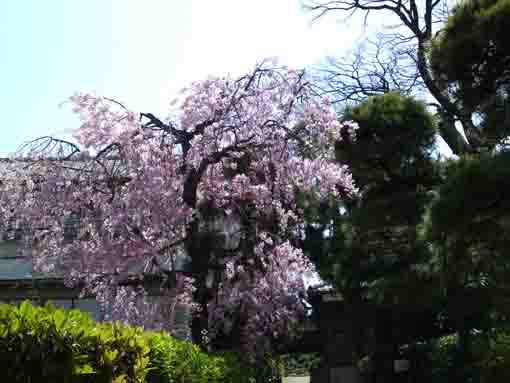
point(474, 138)
point(462, 365)
point(384, 351)
point(199, 324)
point(198, 250)
point(201, 296)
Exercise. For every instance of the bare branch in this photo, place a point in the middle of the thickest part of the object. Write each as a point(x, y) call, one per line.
point(116, 102)
point(376, 67)
point(401, 63)
point(48, 147)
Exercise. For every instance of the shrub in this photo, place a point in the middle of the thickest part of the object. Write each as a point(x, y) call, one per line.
point(45, 344)
point(493, 356)
point(300, 364)
point(489, 357)
point(178, 361)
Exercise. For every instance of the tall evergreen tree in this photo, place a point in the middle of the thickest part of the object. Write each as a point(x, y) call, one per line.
point(468, 227)
point(470, 60)
point(397, 59)
point(373, 251)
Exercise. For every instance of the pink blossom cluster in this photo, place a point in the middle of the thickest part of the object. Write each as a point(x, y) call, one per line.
point(131, 304)
point(268, 299)
point(239, 145)
point(102, 125)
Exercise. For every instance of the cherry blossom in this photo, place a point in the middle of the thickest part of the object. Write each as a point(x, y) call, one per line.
point(215, 183)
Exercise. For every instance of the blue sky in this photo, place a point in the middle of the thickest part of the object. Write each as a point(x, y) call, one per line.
point(140, 52)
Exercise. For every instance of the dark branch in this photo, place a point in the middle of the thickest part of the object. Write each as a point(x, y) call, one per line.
point(49, 148)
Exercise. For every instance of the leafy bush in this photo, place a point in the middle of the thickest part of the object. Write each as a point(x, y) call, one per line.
point(300, 364)
point(44, 344)
point(492, 353)
point(489, 357)
point(177, 361)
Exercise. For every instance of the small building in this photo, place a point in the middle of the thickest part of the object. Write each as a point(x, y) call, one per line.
point(20, 281)
point(371, 334)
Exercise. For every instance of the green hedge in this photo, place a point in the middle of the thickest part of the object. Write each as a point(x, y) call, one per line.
point(300, 364)
point(44, 344)
point(489, 360)
point(177, 361)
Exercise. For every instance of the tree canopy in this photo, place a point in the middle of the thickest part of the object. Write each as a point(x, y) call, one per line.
point(368, 246)
point(405, 57)
point(216, 181)
point(373, 241)
point(468, 226)
point(470, 58)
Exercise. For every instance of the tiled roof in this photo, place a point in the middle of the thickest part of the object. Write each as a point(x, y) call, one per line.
point(13, 267)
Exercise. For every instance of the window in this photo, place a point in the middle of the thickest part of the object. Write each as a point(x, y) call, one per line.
point(182, 315)
point(13, 231)
point(62, 303)
point(10, 238)
point(90, 306)
point(71, 227)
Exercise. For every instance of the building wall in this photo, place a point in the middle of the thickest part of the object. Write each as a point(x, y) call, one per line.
point(18, 282)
